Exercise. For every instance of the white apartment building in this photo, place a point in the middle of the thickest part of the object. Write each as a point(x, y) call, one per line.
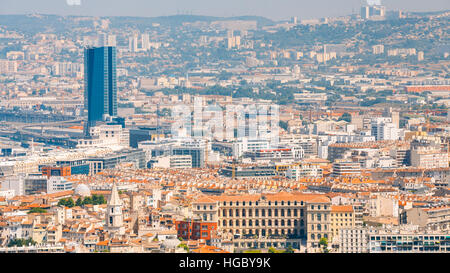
point(58, 183)
point(384, 129)
point(249, 145)
point(106, 135)
point(353, 240)
point(7, 67)
point(174, 162)
point(304, 170)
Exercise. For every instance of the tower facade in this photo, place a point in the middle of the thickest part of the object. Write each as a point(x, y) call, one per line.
point(114, 216)
point(100, 84)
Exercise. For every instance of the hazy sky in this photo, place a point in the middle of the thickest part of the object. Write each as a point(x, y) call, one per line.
point(273, 9)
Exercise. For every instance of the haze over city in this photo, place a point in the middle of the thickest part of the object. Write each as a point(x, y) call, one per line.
point(272, 9)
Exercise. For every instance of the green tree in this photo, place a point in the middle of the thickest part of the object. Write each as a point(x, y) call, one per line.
point(324, 243)
point(284, 125)
point(346, 117)
point(66, 202)
point(87, 200)
point(21, 242)
point(37, 210)
point(79, 202)
point(183, 245)
point(289, 250)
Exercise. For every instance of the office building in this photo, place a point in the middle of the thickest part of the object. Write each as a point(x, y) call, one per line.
point(100, 86)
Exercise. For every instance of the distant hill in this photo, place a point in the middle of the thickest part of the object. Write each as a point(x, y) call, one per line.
point(172, 20)
point(31, 24)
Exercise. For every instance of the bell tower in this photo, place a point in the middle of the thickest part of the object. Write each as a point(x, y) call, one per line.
point(114, 216)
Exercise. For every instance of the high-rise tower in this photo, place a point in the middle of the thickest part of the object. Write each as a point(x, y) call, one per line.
point(100, 86)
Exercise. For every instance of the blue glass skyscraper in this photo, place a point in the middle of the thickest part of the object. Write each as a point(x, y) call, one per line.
point(100, 86)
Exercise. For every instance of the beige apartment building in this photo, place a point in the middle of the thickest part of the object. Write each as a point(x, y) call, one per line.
point(342, 217)
point(433, 217)
point(429, 158)
point(265, 220)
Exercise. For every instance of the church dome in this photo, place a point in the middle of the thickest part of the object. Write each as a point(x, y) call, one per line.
point(82, 190)
point(170, 243)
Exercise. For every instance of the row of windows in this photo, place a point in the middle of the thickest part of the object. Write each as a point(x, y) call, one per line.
point(204, 207)
point(185, 226)
point(341, 215)
point(317, 217)
point(319, 227)
point(276, 212)
point(276, 203)
point(318, 236)
point(267, 232)
point(263, 223)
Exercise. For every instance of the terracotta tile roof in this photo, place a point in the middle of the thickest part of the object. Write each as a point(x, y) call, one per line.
point(343, 208)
